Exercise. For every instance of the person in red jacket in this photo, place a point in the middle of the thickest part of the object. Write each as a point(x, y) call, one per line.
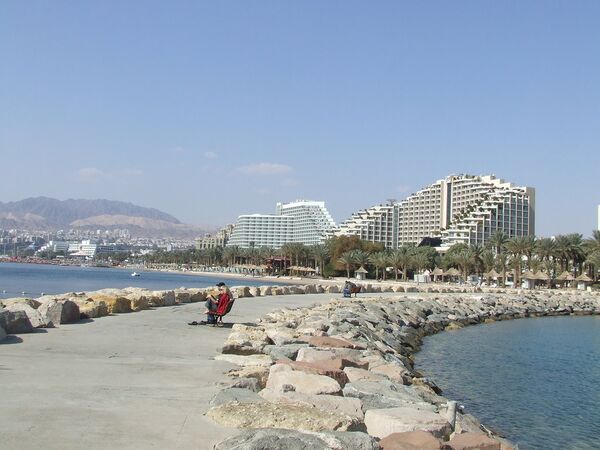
point(217, 305)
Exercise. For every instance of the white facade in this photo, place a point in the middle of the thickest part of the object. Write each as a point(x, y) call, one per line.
point(458, 208)
point(305, 222)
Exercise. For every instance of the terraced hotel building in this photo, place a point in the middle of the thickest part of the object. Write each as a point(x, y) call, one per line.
point(458, 208)
point(302, 221)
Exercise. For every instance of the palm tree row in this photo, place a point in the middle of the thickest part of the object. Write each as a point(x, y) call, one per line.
point(345, 254)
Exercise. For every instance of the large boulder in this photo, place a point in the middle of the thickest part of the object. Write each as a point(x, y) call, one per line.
point(282, 377)
point(91, 309)
point(260, 373)
point(33, 315)
point(333, 342)
point(383, 422)
point(394, 372)
point(278, 415)
point(235, 395)
point(411, 440)
point(2, 334)
point(161, 298)
point(51, 312)
point(138, 302)
point(277, 438)
point(319, 368)
point(385, 394)
point(20, 301)
point(288, 351)
point(115, 304)
point(473, 441)
point(182, 295)
point(246, 360)
point(351, 407)
point(15, 322)
point(246, 340)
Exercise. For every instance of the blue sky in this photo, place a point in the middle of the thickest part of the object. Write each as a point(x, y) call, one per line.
point(208, 110)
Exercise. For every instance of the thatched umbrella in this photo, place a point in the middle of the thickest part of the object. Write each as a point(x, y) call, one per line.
point(583, 281)
point(529, 275)
point(437, 272)
point(539, 275)
point(452, 272)
point(491, 274)
point(360, 273)
point(565, 276)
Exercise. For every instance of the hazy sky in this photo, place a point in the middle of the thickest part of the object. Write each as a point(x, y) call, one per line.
point(208, 110)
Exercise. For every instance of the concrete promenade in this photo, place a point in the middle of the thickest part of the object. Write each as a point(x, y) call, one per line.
point(137, 381)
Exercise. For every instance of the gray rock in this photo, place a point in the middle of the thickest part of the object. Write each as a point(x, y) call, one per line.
point(15, 322)
point(238, 395)
point(70, 311)
point(2, 334)
point(33, 315)
point(289, 351)
point(277, 438)
point(248, 383)
point(51, 313)
point(385, 394)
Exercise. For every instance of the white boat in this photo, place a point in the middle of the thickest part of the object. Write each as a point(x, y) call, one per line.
point(135, 274)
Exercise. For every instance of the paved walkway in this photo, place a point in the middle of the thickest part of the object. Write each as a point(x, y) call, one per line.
point(136, 381)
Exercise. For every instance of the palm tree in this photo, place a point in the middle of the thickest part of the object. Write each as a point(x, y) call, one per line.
point(497, 241)
point(465, 259)
point(401, 259)
point(517, 247)
point(360, 257)
point(420, 261)
point(380, 261)
point(545, 248)
point(592, 244)
point(347, 260)
point(529, 248)
point(320, 253)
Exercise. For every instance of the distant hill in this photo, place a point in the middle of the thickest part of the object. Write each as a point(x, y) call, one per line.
point(43, 213)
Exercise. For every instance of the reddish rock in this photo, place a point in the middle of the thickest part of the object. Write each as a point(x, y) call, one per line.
point(332, 342)
point(411, 440)
point(319, 368)
point(473, 441)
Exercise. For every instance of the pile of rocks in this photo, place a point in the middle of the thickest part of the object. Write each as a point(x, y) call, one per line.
point(341, 375)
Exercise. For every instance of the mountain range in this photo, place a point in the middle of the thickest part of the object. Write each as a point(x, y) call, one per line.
point(49, 214)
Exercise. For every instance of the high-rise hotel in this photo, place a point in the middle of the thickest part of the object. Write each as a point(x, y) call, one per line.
point(306, 222)
point(459, 208)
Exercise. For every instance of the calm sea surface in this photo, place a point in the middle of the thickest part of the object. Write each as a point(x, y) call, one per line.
point(33, 279)
point(535, 380)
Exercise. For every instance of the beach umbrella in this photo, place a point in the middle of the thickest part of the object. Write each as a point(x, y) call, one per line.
point(529, 275)
point(565, 276)
point(492, 274)
point(583, 277)
point(452, 272)
point(438, 272)
point(539, 275)
point(361, 269)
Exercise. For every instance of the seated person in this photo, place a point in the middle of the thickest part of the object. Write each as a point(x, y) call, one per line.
point(217, 304)
point(348, 288)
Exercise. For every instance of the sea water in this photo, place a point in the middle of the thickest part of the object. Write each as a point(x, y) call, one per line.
point(34, 279)
point(537, 381)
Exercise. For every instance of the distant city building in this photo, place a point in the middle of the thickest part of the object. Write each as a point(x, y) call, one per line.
point(458, 208)
point(219, 239)
point(302, 221)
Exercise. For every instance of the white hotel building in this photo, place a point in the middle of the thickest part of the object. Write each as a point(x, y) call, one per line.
point(458, 208)
point(306, 222)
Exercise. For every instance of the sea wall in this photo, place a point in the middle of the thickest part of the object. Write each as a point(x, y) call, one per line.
point(341, 375)
point(24, 314)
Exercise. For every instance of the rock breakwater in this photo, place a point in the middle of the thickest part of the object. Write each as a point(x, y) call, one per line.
point(341, 374)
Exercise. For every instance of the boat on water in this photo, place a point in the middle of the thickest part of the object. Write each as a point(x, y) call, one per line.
point(135, 274)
